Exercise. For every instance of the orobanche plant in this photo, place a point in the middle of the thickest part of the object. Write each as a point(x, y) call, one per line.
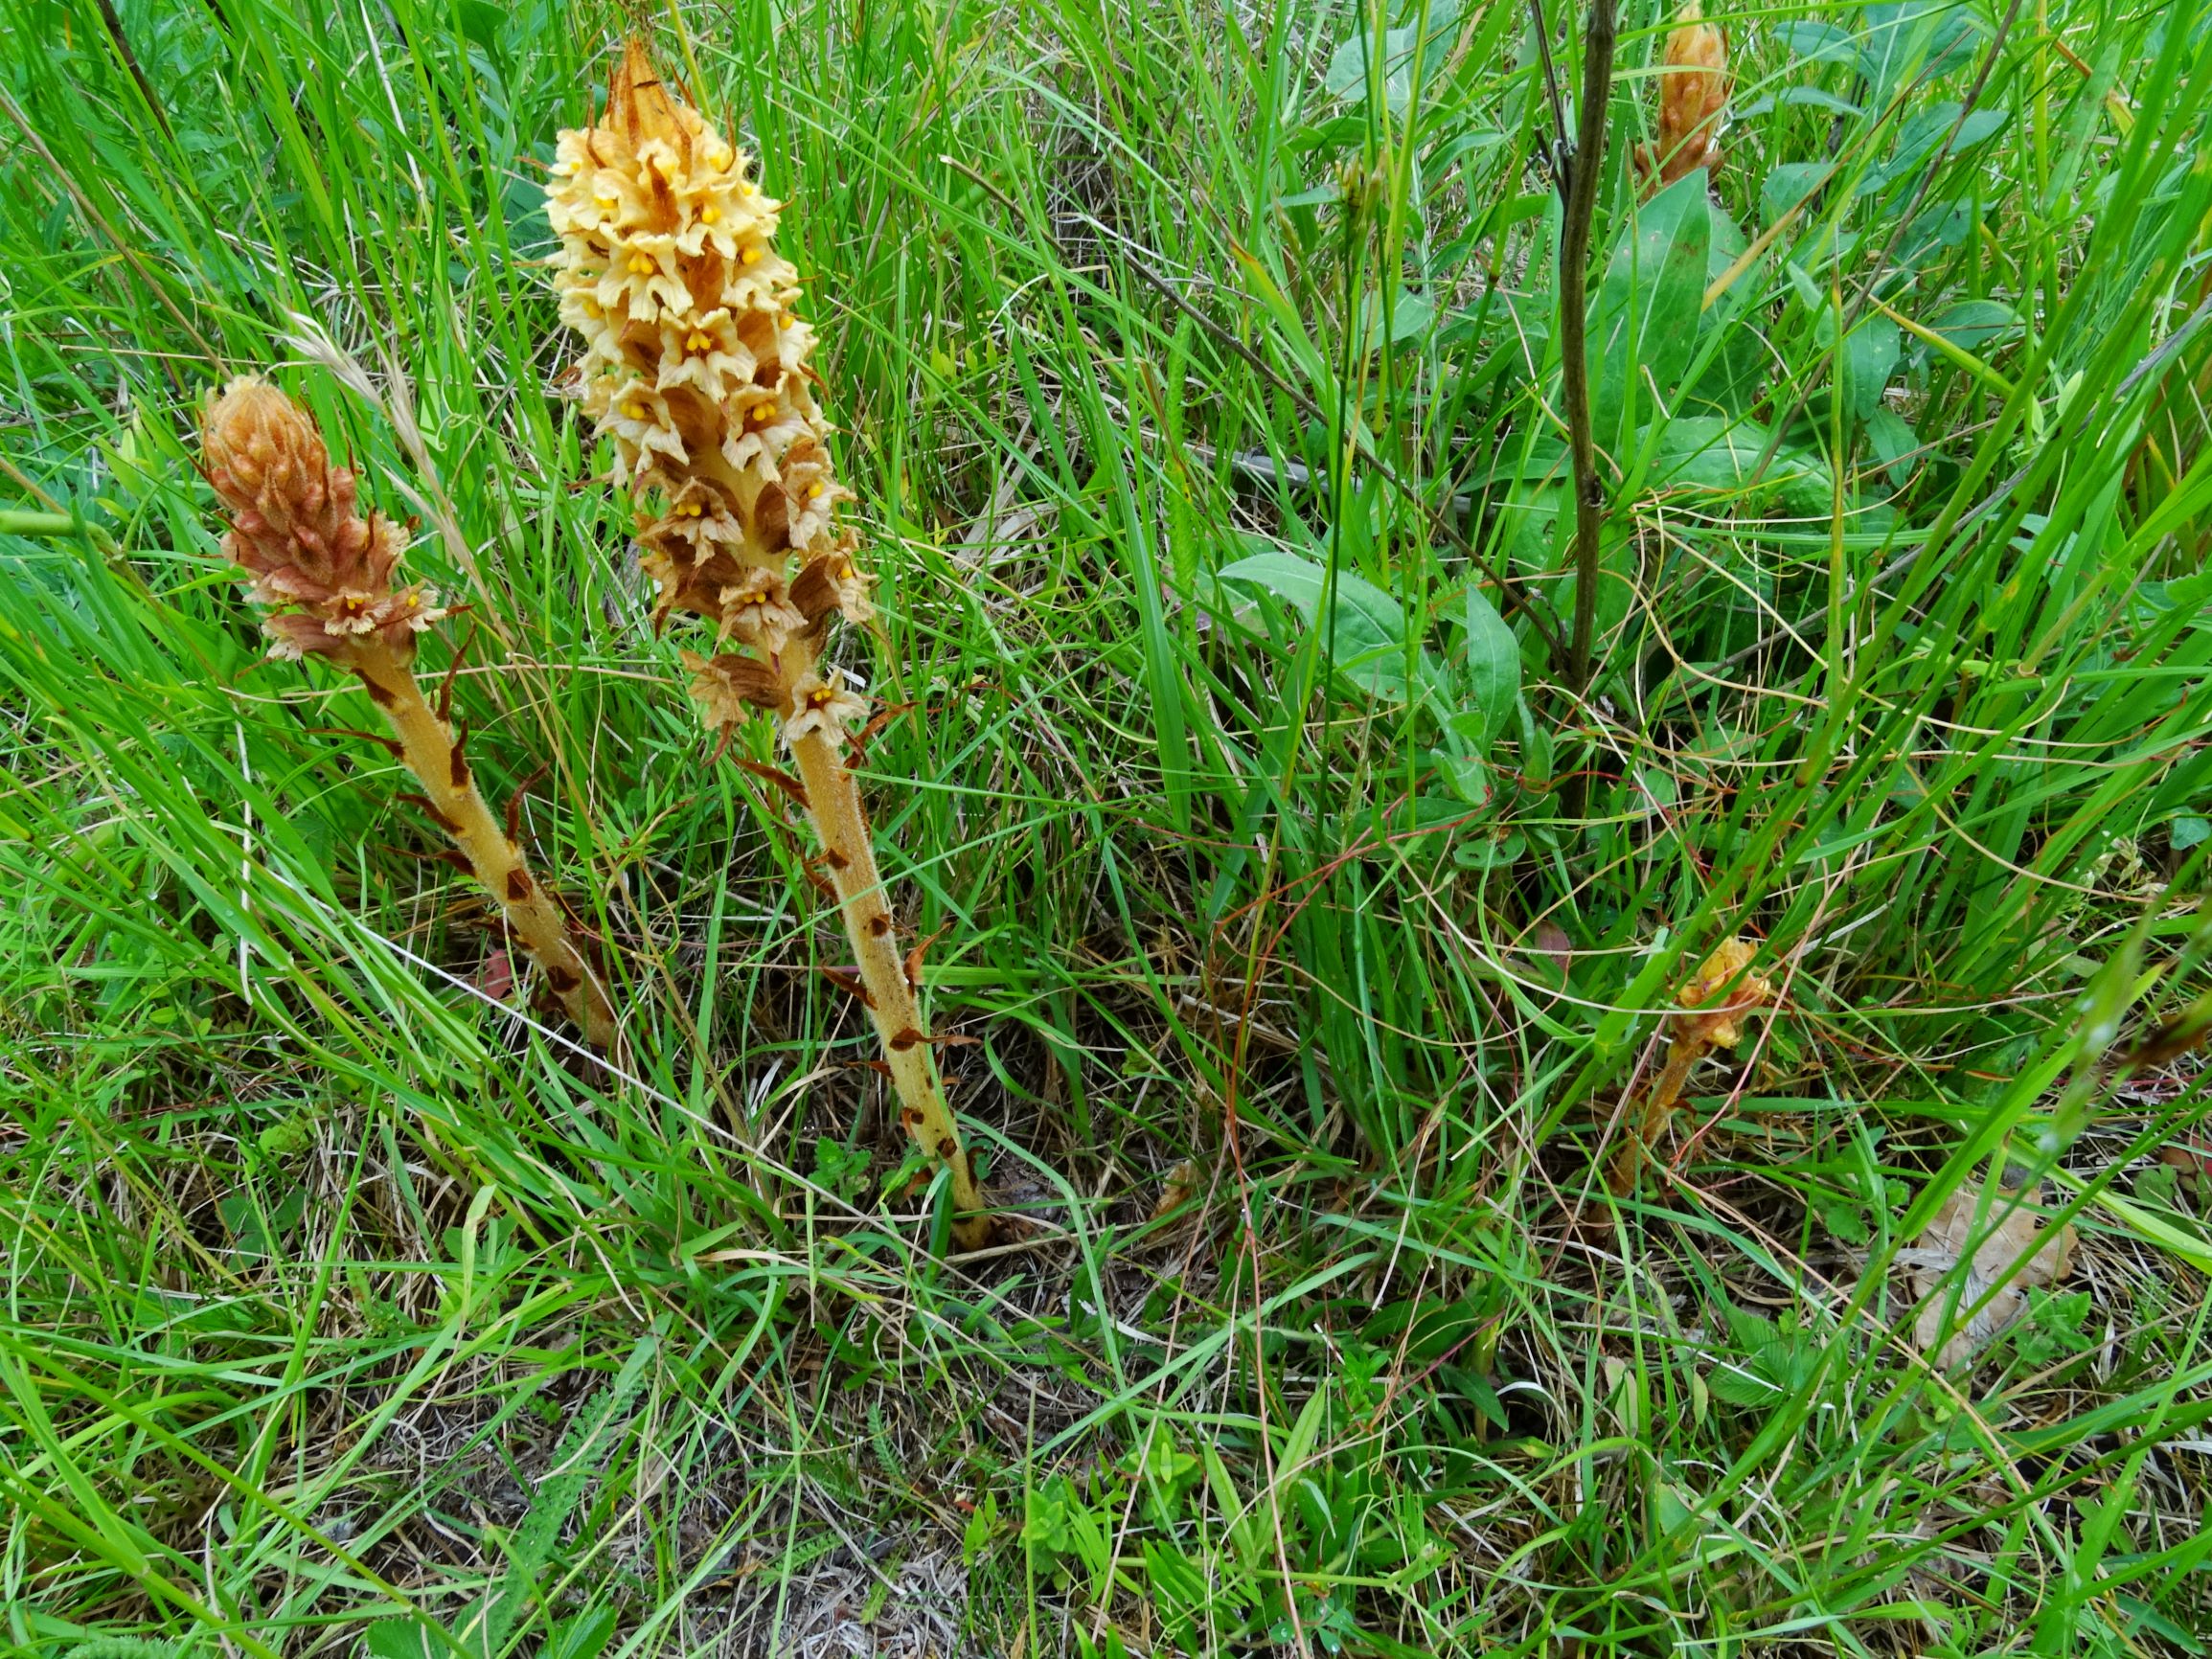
point(330, 577)
point(695, 366)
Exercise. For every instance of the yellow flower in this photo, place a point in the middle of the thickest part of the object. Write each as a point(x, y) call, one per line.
point(818, 705)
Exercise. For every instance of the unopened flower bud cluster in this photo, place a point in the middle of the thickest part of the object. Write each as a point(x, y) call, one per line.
point(325, 571)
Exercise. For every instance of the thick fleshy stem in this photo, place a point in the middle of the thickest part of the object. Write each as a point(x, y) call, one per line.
point(428, 750)
point(833, 803)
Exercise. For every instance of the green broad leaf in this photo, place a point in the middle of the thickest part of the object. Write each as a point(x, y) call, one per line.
point(1673, 1509)
point(1411, 317)
point(1785, 186)
point(1893, 440)
point(1493, 687)
point(1645, 321)
point(584, 1635)
point(1869, 356)
point(1914, 39)
point(1721, 458)
point(1365, 633)
point(2188, 830)
point(1974, 326)
point(481, 21)
point(1347, 76)
point(403, 1639)
point(1741, 1386)
point(1923, 136)
point(1800, 96)
point(1816, 42)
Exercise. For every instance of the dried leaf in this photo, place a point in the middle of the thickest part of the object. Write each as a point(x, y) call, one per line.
point(1179, 1188)
point(2015, 1234)
point(496, 977)
point(1551, 939)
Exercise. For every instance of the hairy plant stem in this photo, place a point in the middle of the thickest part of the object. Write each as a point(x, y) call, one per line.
point(833, 802)
point(1682, 1055)
point(427, 747)
point(1581, 186)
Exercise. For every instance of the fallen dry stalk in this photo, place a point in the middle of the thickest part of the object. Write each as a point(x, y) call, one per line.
point(695, 366)
point(296, 528)
point(1705, 1030)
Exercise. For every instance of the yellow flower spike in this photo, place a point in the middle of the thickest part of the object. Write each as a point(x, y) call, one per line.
point(717, 439)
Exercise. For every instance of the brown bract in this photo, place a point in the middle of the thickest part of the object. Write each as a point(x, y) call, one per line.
point(297, 528)
point(1692, 97)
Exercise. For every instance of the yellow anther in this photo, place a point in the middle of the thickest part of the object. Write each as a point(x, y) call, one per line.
point(608, 200)
point(760, 411)
point(722, 158)
point(633, 411)
point(711, 216)
point(639, 265)
point(698, 342)
point(814, 490)
point(786, 321)
point(747, 187)
point(750, 257)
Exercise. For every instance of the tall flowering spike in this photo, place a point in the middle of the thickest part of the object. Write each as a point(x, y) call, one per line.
point(297, 528)
point(1692, 98)
point(695, 369)
point(695, 366)
point(296, 525)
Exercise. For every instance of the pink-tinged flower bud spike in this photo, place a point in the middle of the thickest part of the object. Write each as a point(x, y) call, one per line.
point(298, 530)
